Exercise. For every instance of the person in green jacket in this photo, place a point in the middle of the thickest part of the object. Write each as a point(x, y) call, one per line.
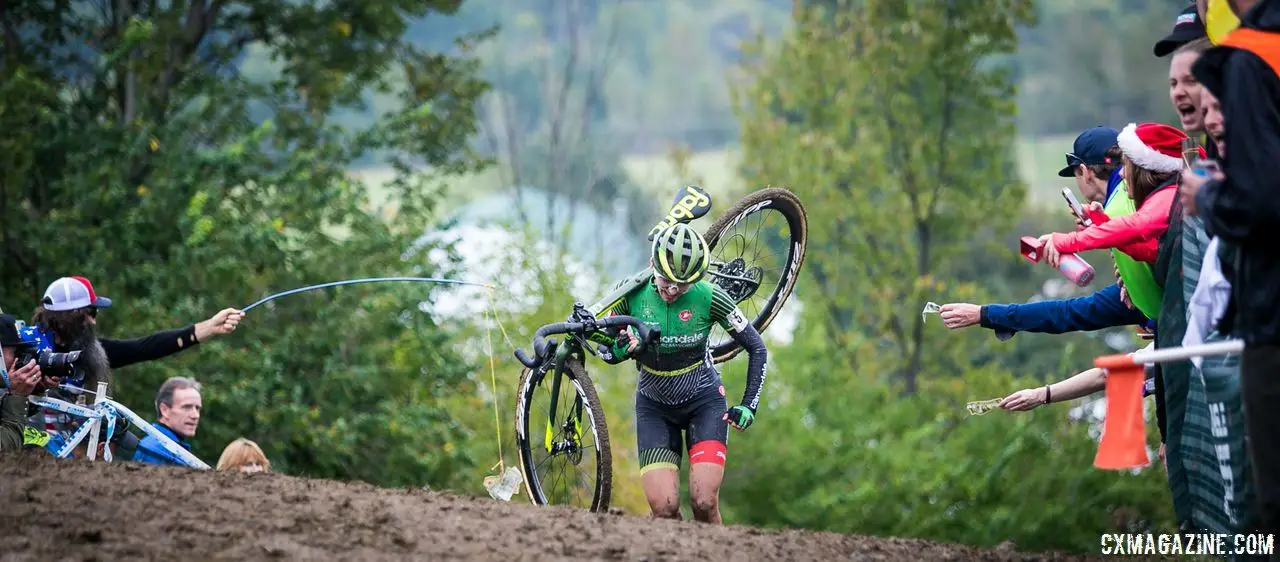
point(18, 383)
point(1094, 162)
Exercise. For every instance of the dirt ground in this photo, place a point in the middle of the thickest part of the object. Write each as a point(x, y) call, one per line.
point(75, 510)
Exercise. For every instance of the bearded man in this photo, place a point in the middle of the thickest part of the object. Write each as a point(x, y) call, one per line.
point(67, 321)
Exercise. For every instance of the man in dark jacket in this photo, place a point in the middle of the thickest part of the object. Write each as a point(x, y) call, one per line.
point(1243, 210)
point(1098, 311)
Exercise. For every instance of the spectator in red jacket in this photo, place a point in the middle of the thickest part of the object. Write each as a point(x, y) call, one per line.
point(1152, 165)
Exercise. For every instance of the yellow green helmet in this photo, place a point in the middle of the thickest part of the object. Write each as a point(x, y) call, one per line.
point(680, 254)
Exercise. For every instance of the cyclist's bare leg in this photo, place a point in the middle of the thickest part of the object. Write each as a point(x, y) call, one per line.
point(662, 489)
point(704, 489)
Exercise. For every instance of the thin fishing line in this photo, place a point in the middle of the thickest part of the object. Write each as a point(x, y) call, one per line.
point(363, 280)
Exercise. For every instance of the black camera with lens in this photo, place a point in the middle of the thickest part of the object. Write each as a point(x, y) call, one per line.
point(35, 343)
point(51, 363)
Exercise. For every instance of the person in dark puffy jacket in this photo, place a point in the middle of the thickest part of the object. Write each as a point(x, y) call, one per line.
point(1242, 209)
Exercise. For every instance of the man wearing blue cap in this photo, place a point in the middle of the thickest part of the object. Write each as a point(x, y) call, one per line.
point(1094, 161)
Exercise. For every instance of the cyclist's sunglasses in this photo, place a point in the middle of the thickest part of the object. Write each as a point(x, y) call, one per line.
point(668, 285)
point(1073, 160)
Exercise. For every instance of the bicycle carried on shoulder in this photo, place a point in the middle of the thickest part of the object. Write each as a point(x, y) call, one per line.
point(570, 462)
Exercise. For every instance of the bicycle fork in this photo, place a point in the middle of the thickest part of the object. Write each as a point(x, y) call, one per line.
point(552, 446)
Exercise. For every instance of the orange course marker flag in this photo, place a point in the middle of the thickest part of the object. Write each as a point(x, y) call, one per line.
point(1124, 435)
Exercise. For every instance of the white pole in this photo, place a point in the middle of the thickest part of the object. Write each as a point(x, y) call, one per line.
point(97, 420)
point(1181, 353)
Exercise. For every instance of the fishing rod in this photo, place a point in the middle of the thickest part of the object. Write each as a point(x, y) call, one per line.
point(364, 280)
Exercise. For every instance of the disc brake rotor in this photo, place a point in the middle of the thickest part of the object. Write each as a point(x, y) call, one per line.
point(739, 280)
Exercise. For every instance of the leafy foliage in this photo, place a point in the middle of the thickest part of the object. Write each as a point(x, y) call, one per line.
point(192, 156)
point(892, 122)
point(140, 163)
point(890, 126)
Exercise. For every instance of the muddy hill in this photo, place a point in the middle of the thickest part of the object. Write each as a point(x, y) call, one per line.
point(75, 510)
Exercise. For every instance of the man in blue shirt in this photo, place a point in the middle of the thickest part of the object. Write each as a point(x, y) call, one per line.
point(1094, 162)
point(178, 405)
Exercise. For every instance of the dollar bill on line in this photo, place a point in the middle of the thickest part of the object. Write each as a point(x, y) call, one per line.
point(982, 407)
point(502, 488)
point(930, 308)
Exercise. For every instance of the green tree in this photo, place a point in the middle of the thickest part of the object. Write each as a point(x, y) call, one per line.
point(1094, 65)
point(892, 124)
point(137, 152)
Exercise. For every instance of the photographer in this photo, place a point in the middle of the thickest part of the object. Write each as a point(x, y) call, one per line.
point(69, 312)
point(66, 320)
point(18, 383)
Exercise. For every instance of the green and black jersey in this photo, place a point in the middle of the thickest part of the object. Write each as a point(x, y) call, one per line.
point(679, 366)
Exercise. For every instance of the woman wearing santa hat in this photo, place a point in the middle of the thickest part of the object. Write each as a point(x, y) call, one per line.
point(1152, 163)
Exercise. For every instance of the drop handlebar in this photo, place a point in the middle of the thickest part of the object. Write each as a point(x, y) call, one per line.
point(540, 344)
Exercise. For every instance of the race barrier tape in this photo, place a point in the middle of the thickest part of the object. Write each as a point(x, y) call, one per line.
point(105, 411)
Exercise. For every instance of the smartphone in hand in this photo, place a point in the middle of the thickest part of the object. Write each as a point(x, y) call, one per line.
point(1076, 209)
point(1206, 168)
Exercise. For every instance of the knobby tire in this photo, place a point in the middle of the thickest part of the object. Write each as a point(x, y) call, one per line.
point(575, 373)
point(786, 203)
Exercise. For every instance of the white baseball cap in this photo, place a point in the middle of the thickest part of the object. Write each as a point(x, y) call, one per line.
point(70, 293)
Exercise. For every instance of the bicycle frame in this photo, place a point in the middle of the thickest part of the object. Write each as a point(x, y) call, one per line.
point(105, 411)
point(552, 354)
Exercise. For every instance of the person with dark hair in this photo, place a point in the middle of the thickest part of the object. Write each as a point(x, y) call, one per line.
point(69, 311)
point(1152, 162)
point(1094, 162)
point(178, 407)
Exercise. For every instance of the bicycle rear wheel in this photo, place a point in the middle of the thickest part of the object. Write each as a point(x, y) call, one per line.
point(563, 439)
point(759, 242)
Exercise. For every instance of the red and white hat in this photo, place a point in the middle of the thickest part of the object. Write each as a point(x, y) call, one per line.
point(70, 293)
point(1152, 146)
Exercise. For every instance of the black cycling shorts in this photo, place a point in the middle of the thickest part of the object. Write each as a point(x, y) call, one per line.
point(664, 432)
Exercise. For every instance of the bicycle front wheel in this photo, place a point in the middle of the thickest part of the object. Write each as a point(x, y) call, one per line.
point(757, 248)
point(563, 439)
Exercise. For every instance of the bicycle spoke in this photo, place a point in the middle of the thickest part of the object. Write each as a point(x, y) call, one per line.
point(761, 259)
point(573, 459)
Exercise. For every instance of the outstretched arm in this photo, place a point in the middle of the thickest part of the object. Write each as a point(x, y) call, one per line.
point(1097, 311)
point(1133, 233)
point(122, 353)
point(1082, 384)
